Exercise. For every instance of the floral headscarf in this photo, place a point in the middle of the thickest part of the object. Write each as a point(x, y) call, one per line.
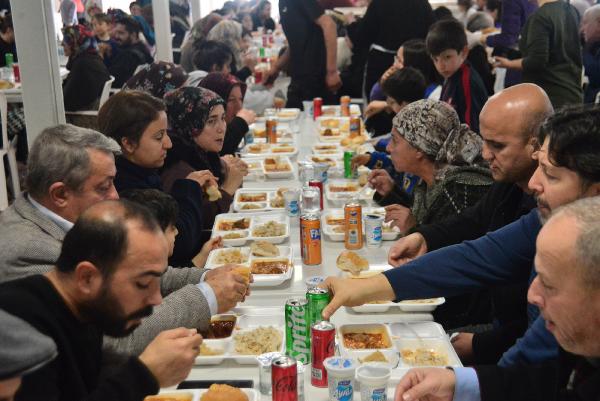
point(222, 84)
point(188, 109)
point(157, 79)
point(230, 33)
point(433, 128)
point(80, 39)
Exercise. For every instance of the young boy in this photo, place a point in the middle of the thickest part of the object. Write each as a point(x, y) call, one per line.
point(101, 24)
point(463, 88)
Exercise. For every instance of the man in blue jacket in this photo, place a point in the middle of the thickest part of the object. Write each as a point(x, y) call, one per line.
point(590, 28)
point(568, 169)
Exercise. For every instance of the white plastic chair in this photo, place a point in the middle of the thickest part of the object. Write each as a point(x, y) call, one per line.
point(103, 98)
point(9, 149)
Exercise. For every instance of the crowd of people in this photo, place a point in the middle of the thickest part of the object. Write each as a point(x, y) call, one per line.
point(487, 158)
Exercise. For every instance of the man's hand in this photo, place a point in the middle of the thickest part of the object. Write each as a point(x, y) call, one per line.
point(463, 345)
point(381, 181)
point(375, 107)
point(213, 243)
point(248, 115)
point(229, 286)
point(203, 177)
point(351, 292)
point(171, 355)
point(406, 249)
point(426, 384)
point(269, 76)
point(400, 216)
point(333, 81)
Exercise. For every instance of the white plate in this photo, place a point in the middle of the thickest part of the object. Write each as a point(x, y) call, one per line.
point(278, 174)
point(212, 261)
point(255, 221)
point(238, 204)
point(334, 161)
point(261, 150)
point(286, 114)
point(408, 306)
point(263, 219)
point(284, 132)
point(336, 110)
point(197, 394)
point(327, 149)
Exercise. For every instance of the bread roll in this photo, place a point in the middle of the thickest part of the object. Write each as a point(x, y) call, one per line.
point(352, 262)
point(244, 271)
point(223, 392)
point(346, 141)
point(213, 193)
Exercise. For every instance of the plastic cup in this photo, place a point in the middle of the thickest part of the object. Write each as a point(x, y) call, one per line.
point(307, 105)
point(373, 381)
point(340, 378)
point(373, 230)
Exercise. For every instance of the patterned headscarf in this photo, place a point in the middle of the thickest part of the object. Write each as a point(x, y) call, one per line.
point(222, 84)
point(201, 27)
point(188, 109)
point(433, 128)
point(230, 33)
point(80, 39)
point(157, 79)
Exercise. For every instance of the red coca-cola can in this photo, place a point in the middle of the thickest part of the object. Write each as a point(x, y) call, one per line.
point(265, 41)
point(284, 379)
point(317, 107)
point(322, 346)
point(318, 184)
point(17, 72)
point(258, 76)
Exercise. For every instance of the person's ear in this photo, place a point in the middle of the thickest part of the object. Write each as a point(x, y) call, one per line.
point(593, 190)
point(128, 145)
point(58, 193)
point(464, 53)
point(88, 279)
point(532, 145)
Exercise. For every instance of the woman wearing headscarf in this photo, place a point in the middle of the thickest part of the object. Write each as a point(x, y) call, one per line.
point(230, 33)
point(261, 17)
point(157, 79)
point(87, 72)
point(429, 141)
point(198, 33)
point(232, 90)
point(197, 122)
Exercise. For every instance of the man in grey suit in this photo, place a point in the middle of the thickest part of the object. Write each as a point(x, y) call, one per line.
point(70, 169)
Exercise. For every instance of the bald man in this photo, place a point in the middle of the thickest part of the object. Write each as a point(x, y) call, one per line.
point(590, 28)
point(509, 123)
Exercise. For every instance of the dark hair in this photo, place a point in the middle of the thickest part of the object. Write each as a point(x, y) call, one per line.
point(415, 55)
point(101, 17)
point(162, 205)
point(209, 53)
point(446, 34)
point(441, 13)
point(127, 114)
point(465, 3)
point(405, 85)
point(102, 238)
point(574, 140)
point(130, 24)
point(6, 23)
point(134, 3)
point(493, 5)
point(260, 7)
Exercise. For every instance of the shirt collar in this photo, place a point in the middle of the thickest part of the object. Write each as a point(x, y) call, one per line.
point(59, 221)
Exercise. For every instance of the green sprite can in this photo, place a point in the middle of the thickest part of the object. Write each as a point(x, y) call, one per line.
point(9, 59)
point(297, 329)
point(318, 299)
point(348, 173)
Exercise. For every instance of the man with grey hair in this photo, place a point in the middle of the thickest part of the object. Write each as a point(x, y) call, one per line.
point(567, 292)
point(590, 28)
point(69, 170)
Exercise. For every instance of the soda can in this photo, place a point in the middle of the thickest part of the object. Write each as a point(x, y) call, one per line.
point(318, 184)
point(297, 329)
point(271, 130)
point(17, 72)
point(321, 171)
point(300, 381)
point(345, 106)
point(264, 372)
point(258, 76)
point(291, 202)
point(353, 234)
point(318, 299)
point(310, 239)
point(317, 107)
point(9, 59)
point(348, 172)
point(322, 346)
point(354, 127)
point(373, 230)
point(284, 379)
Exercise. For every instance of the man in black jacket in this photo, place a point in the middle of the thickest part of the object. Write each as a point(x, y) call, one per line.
point(509, 123)
point(567, 291)
point(132, 52)
point(106, 279)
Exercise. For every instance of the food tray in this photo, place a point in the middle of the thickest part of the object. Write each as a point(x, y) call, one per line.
point(403, 336)
point(418, 306)
point(196, 395)
point(334, 161)
point(284, 132)
point(389, 233)
point(352, 190)
point(327, 149)
point(245, 323)
point(332, 128)
point(260, 280)
point(260, 150)
point(285, 114)
point(283, 161)
point(266, 205)
point(336, 110)
point(248, 233)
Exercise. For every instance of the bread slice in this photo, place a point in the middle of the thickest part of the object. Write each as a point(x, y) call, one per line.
point(243, 271)
point(264, 248)
point(352, 262)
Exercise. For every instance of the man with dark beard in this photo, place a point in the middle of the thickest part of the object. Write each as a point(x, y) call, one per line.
point(106, 279)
